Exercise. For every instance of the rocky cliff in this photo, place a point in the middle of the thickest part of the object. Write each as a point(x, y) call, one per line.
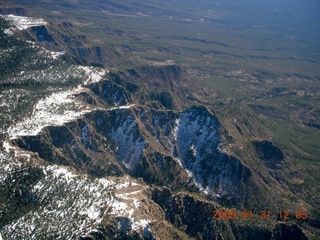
point(158, 146)
point(126, 155)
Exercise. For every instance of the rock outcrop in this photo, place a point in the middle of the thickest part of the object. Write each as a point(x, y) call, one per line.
point(138, 161)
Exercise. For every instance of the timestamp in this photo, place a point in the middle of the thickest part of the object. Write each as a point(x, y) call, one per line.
point(261, 215)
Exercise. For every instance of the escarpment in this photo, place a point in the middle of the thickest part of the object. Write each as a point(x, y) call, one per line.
point(159, 146)
point(165, 147)
point(137, 153)
point(162, 146)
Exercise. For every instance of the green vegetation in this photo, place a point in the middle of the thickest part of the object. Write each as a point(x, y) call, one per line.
point(27, 74)
point(245, 65)
point(263, 83)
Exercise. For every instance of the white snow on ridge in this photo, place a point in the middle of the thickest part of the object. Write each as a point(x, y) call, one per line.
point(95, 75)
point(7, 165)
point(176, 128)
point(74, 204)
point(59, 107)
point(55, 110)
point(7, 147)
point(55, 55)
point(22, 23)
point(142, 223)
point(70, 203)
point(121, 107)
point(130, 144)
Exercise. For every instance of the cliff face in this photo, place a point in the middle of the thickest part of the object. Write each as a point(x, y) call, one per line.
point(142, 142)
point(87, 163)
point(160, 147)
point(125, 156)
point(73, 45)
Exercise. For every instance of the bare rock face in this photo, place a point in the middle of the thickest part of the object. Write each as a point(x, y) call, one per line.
point(159, 147)
point(198, 146)
point(154, 147)
point(135, 162)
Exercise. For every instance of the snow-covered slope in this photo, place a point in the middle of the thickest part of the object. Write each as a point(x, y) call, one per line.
point(130, 145)
point(21, 23)
point(70, 206)
point(198, 148)
point(91, 158)
point(66, 205)
point(56, 109)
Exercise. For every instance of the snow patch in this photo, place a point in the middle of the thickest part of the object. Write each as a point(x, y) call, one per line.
point(136, 203)
point(106, 183)
point(95, 75)
point(195, 139)
point(119, 208)
point(122, 107)
point(59, 172)
point(56, 55)
point(22, 23)
point(93, 212)
point(126, 196)
point(193, 150)
point(175, 130)
point(127, 209)
point(7, 147)
point(70, 204)
point(129, 142)
point(143, 223)
point(55, 110)
point(8, 165)
point(20, 154)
